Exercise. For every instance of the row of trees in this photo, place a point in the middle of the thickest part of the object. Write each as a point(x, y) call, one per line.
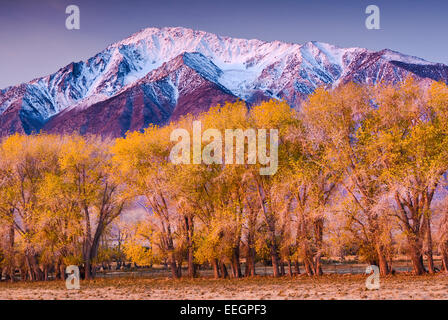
point(361, 170)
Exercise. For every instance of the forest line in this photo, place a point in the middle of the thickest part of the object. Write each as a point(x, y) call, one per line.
point(361, 170)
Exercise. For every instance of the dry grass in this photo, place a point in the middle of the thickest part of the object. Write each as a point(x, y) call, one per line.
point(327, 287)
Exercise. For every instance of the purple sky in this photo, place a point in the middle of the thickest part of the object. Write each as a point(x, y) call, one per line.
point(35, 42)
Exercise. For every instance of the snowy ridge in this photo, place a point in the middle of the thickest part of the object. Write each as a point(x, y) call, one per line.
point(244, 68)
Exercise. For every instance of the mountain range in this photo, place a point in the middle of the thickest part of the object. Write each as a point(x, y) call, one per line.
point(157, 75)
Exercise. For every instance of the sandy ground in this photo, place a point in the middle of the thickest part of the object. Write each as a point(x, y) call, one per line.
point(327, 287)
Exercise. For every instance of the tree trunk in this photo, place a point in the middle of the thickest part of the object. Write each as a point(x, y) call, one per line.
point(173, 267)
point(251, 252)
point(444, 251)
point(383, 265)
point(318, 225)
point(29, 268)
point(296, 267)
point(289, 268)
point(246, 268)
point(191, 265)
point(282, 268)
point(224, 272)
point(270, 222)
point(46, 273)
point(250, 261)
point(275, 261)
point(22, 274)
point(215, 268)
point(179, 269)
point(189, 228)
point(416, 232)
point(308, 262)
point(87, 242)
point(317, 265)
point(34, 267)
point(308, 267)
point(429, 254)
point(87, 269)
point(445, 262)
point(11, 252)
point(236, 266)
point(57, 271)
point(382, 260)
point(417, 261)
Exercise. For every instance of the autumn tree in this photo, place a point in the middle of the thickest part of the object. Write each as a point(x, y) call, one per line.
point(26, 160)
point(411, 143)
point(143, 162)
point(335, 117)
point(91, 183)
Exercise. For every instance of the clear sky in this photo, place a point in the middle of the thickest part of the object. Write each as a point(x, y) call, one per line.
point(34, 41)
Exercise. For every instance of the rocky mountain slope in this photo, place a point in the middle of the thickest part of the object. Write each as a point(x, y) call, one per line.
point(158, 75)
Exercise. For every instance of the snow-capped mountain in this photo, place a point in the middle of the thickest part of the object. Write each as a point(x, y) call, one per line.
point(158, 75)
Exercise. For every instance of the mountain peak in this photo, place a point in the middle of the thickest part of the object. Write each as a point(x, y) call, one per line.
point(392, 55)
point(151, 31)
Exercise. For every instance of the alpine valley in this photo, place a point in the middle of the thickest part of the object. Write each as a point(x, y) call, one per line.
point(157, 75)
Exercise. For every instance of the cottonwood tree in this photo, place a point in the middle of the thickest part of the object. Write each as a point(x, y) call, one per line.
point(209, 194)
point(411, 142)
point(311, 183)
point(143, 161)
point(90, 176)
point(335, 117)
point(26, 160)
point(271, 115)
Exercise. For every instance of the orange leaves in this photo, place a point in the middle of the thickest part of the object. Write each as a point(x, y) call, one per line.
point(342, 159)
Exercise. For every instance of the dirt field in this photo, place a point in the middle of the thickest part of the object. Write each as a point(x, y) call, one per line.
point(327, 287)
